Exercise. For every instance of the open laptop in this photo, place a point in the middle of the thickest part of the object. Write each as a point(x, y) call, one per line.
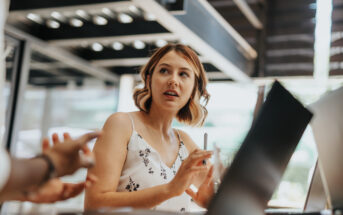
point(261, 160)
point(263, 156)
point(316, 199)
point(327, 127)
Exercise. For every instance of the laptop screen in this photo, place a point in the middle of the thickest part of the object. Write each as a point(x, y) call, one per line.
point(327, 127)
point(263, 156)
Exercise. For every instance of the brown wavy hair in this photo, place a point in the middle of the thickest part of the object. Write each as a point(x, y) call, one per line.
point(193, 113)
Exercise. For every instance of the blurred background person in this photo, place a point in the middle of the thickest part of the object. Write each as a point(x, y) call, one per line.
point(36, 179)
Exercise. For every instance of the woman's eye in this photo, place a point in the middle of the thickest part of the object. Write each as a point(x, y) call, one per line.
point(184, 74)
point(162, 71)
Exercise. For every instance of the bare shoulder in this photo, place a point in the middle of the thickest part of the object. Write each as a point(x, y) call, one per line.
point(188, 141)
point(118, 120)
point(119, 117)
point(117, 127)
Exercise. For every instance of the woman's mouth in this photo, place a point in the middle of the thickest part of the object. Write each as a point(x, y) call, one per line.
point(171, 93)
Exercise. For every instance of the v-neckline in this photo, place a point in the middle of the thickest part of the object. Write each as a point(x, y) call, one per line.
point(152, 148)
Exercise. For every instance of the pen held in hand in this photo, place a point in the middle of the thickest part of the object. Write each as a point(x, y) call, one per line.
point(205, 147)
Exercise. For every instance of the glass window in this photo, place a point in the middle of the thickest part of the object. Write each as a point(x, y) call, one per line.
point(230, 114)
point(294, 186)
point(60, 99)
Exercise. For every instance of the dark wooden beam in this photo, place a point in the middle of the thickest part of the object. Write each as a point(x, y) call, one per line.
point(91, 30)
point(290, 45)
point(289, 59)
point(109, 53)
point(40, 4)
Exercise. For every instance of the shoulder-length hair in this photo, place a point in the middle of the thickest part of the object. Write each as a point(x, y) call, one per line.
point(193, 113)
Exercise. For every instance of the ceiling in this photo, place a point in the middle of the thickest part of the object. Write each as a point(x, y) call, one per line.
point(235, 39)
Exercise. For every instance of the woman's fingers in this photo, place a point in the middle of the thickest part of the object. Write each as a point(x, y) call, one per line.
point(198, 154)
point(195, 169)
point(209, 176)
point(197, 157)
point(191, 193)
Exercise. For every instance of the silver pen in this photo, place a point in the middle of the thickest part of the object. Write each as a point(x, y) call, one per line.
point(205, 146)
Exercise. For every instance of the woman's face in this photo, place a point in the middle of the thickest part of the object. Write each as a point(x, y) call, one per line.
point(172, 82)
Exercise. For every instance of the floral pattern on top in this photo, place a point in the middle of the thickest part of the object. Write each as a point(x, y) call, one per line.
point(151, 171)
point(132, 186)
point(144, 154)
point(180, 156)
point(173, 168)
point(163, 173)
point(143, 168)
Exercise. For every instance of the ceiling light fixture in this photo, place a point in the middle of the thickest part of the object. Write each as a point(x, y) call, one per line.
point(82, 14)
point(99, 20)
point(134, 9)
point(124, 18)
point(76, 22)
point(53, 24)
point(160, 43)
point(149, 17)
point(138, 44)
point(84, 44)
point(108, 12)
point(35, 18)
point(57, 15)
point(97, 47)
point(117, 46)
point(184, 42)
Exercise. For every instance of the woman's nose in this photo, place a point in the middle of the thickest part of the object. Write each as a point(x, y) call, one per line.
point(172, 82)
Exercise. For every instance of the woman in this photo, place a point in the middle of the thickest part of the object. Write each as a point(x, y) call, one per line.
point(141, 161)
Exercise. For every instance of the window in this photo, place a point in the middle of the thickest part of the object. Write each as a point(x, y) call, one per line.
point(230, 116)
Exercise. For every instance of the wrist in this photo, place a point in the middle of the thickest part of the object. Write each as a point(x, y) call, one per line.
point(171, 190)
point(50, 170)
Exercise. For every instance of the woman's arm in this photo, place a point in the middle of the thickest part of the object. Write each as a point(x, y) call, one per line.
point(111, 151)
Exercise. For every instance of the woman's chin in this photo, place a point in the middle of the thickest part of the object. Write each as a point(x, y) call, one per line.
point(171, 108)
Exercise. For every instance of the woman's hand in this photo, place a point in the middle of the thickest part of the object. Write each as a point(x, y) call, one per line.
point(188, 170)
point(205, 191)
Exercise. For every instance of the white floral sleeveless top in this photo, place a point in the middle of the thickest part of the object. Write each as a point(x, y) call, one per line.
point(144, 168)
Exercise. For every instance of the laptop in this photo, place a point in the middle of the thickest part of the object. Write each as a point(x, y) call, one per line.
point(261, 160)
point(263, 156)
point(316, 198)
point(327, 127)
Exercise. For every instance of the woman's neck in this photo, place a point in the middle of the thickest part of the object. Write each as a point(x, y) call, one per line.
point(159, 120)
